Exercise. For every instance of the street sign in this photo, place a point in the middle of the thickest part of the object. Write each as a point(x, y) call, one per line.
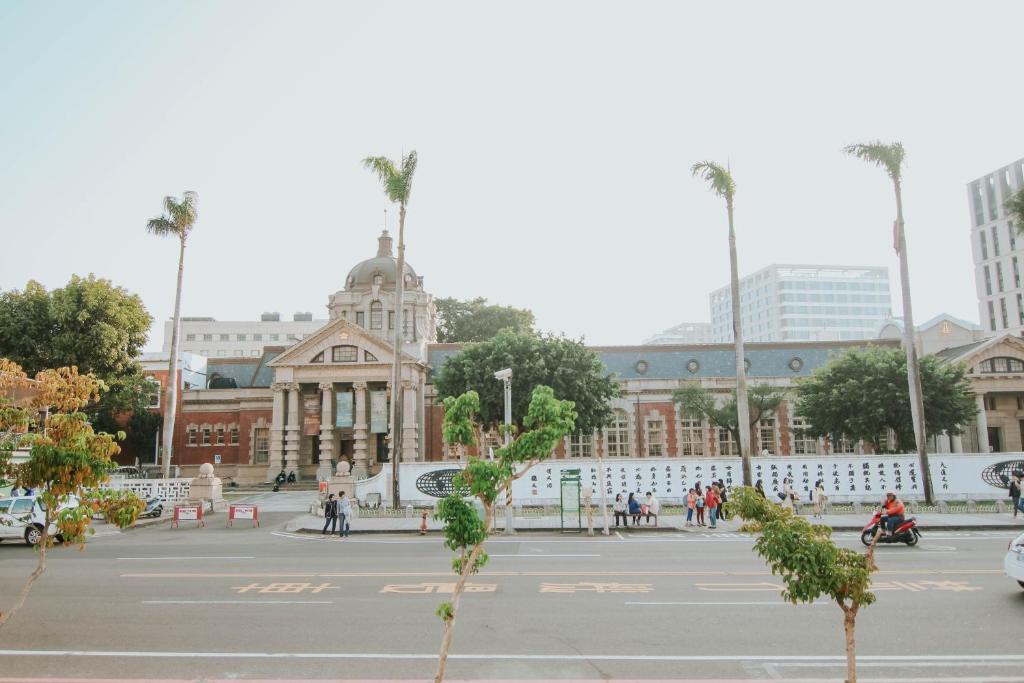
point(188, 513)
point(243, 512)
point(570, 490)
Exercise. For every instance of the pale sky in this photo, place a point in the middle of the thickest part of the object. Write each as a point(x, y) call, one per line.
point(555, 141)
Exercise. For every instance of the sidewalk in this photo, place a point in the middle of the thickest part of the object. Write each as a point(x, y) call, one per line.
point(976, 521)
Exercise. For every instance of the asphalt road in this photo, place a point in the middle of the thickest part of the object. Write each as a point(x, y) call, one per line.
point(248, 603)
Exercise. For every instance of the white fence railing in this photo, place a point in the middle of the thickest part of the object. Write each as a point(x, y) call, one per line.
point(168, 489)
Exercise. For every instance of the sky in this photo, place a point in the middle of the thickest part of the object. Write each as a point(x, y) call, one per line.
point(554, 140)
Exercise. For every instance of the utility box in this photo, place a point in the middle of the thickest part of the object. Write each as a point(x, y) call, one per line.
point(570, 496)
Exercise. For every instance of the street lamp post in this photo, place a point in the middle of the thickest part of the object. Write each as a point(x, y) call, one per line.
point(506, 378)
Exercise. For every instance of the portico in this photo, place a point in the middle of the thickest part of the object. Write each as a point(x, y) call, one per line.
point(331, 394)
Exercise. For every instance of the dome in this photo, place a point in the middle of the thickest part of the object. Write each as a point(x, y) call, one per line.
point(384, 264)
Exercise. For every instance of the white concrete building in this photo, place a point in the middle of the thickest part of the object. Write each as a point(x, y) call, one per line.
point(240, 338)
point(683, 333)
point(997, 251)
point(805, 303)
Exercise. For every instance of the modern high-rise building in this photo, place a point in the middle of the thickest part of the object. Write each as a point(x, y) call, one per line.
point(805, 302)
point(236, 339)
point(998, 254)
point(683, 333)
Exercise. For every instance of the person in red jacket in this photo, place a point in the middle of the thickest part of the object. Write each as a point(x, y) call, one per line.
point(711, 501)
point(892, 511)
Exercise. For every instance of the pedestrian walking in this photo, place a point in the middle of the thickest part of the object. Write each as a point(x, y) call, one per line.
point(1016, 484)
point(619, 507)
point(711, 501)
point(634, 509)
point(691, 503)
point(700, 504)
point(344, 514)
point(723, 498)
point(330, 514)
point(819, 498)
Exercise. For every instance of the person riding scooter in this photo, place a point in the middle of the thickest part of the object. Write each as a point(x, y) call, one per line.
point(892, 512)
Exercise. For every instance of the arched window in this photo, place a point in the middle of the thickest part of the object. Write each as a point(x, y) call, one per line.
point(617, 435)
point(318, 358)
point(344, 354)
point(376, 315)
point(1001, 364)
point(378, 279)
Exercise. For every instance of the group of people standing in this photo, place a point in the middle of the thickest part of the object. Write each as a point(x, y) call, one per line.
point(338, 513)
point(711, 501)
point(624, 509)
point(1016, 487)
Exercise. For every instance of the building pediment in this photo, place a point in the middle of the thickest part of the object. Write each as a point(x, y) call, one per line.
point(338, 342)
point(993, 356)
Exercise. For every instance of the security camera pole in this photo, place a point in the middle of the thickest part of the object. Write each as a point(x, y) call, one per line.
point(506, 378)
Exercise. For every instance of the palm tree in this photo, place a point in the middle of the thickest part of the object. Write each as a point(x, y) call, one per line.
point(397, 186)
point(178, 220)
point(722, 185)
point(1015, 209)
point(890, 157)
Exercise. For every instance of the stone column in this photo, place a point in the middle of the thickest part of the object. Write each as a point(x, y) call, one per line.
point(957, 444)
point(326, 468)
point(942, 443)
point(983, 445)
point(292, 431)
point(276, 460)
point(410, 430)
point(360, 431)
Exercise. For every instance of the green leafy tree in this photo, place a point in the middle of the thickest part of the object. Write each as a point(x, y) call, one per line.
point(474, 320)
point(67, 458)
point(890, 157)
point(178, 221)
point(762, 400)
point(125, 406)
point(863, 393)
point(722, 184)
point(89, 323)
point(397, 182)
point(810, 564)
point(567, 366)
point(1015, 209)
point(546, 422)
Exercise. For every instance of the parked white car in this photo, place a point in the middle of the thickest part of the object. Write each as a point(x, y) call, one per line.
point(1014, 562)
point(22, 518)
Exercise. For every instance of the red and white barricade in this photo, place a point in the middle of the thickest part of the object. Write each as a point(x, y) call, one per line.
point(188, 513)
point(243, 512)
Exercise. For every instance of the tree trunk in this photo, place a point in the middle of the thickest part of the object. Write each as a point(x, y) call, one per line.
point(913, 370)
point(460, 586)
point(40, 568)
point(742, 408)
point(171, 393)
point(849, 625)
point(396, 366)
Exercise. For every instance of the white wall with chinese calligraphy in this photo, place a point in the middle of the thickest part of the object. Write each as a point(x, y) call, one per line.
point(847, 478)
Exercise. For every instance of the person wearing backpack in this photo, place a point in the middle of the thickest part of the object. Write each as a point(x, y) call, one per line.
point(330, 514)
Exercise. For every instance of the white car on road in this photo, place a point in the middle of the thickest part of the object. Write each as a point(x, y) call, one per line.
point(22, 518)
point(1014, 562)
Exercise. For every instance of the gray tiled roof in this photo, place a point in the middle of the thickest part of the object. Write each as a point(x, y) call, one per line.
point(246, 373)
point(713, 360)
point(957, 351)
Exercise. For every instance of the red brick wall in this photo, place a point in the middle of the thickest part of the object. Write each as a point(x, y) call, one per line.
point(667, 412)
point(782, 422)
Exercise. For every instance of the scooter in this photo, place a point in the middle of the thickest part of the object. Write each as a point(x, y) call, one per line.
point(154, 507)
point(906, 532)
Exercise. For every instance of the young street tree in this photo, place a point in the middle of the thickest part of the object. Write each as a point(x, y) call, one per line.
point(565, 365)
point(721, 182)
point(178, 220)
point(762, 400)
point(808, 562)
point(546, 422)
point(862, 394)
point(1015, 209)
point(397, 182)
point(474, 320)
point(67, 458)
point(890, 157)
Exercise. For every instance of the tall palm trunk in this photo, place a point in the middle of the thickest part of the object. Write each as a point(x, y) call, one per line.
point(396, 367)
point(913, 371)
point(171, 394)
point(742, 407)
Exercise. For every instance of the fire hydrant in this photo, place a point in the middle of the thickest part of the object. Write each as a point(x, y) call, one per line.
point(423, 524)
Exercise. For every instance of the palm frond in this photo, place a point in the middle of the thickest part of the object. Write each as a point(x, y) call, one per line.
point(1015, 208)
point(179, 217)
point(160, 227)
point(397, 183)
point(717, 176)
point(888, 156)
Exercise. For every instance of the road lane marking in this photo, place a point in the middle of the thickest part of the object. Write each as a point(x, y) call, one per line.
point(582, 572)
point(427, 588)
point(592, 587)
point(620, 536)
point(745, 604)
point(825, 659)
point(194, 557)
point(237, 602)
point(548, 555)
point(738, 587)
